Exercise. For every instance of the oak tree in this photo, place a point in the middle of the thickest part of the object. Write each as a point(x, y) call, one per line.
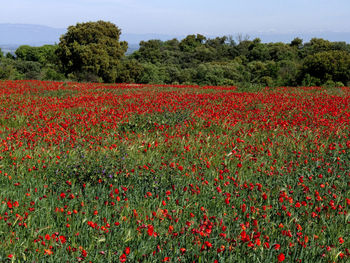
point(92, 51)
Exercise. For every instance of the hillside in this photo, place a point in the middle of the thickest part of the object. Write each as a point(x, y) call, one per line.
point(35, 35)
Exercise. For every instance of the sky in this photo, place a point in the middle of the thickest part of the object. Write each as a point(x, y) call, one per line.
point(181, 17)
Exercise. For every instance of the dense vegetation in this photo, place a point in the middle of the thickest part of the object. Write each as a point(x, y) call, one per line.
point(161, 173)
point(92, 52)
point(174, 173)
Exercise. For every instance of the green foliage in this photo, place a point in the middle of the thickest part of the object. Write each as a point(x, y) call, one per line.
point(27, 53)
point(280, 51)
point(150, 51)
point(92, 52)
point(318, 45)
point(48, 54)
point(83, 167)
point(49, 73)
point(32, 63)
point(186, 76)
point(44, 54)
point(7, 69)
point(191, 42)
point(220, 61)
point(218, 74)
point(328, 66)
point(129, 71)
point(10, 55)
point(92, 48)
point(259, 52)
point(296, 42)
point(89, 176)
point(29, 69)
point(145, 122)
point(287, 74)
point(153, 74)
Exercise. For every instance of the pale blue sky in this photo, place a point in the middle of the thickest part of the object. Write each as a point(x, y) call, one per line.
point(182, 17)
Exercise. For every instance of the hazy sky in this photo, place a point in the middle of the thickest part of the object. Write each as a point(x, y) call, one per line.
point(185, 16)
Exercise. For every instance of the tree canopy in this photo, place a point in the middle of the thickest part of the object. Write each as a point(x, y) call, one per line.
point(328, 66)
point(92, 48)
point(44, 54)
point(93, 52)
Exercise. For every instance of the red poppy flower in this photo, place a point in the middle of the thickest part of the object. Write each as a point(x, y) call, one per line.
point(281, 257)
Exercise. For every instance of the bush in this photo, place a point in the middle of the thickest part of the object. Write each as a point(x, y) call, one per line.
point(51, 74)
point(29, 69)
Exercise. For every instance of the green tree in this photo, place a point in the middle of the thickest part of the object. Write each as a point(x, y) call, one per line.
point(262, 72)
point(190, 42)
point(44, 54)
point(328, 66)
point(222, 61)
point(149, 51)
point(341, 46)
point(316, 45)
point(287, 73)
point(129, 71)
point(27, 53)
point(92, 49)
point(204, 54)
point(152, 74)
point(49, 73)
point(7, 69)
point(296, 42)
point(259, 52)
point(245, 46)
point(10, 56)
point(29, 69)
point(280, 51)
point(48, 54)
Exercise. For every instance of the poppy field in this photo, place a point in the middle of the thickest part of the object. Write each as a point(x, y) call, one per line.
point(170, 173)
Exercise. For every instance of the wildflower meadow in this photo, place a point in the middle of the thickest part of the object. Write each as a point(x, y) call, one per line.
point(173, 173)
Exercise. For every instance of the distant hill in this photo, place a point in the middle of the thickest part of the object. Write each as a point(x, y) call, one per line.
point(268, 37)
point(14, 35)
point(35, 35)
point(8, 48)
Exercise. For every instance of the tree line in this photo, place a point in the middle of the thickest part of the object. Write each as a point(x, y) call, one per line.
point(93, 52)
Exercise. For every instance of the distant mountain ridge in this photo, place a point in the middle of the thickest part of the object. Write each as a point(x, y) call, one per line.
point(23, 34)
point(14, 35)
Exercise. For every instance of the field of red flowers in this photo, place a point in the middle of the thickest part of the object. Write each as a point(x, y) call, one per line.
point(166, 173)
